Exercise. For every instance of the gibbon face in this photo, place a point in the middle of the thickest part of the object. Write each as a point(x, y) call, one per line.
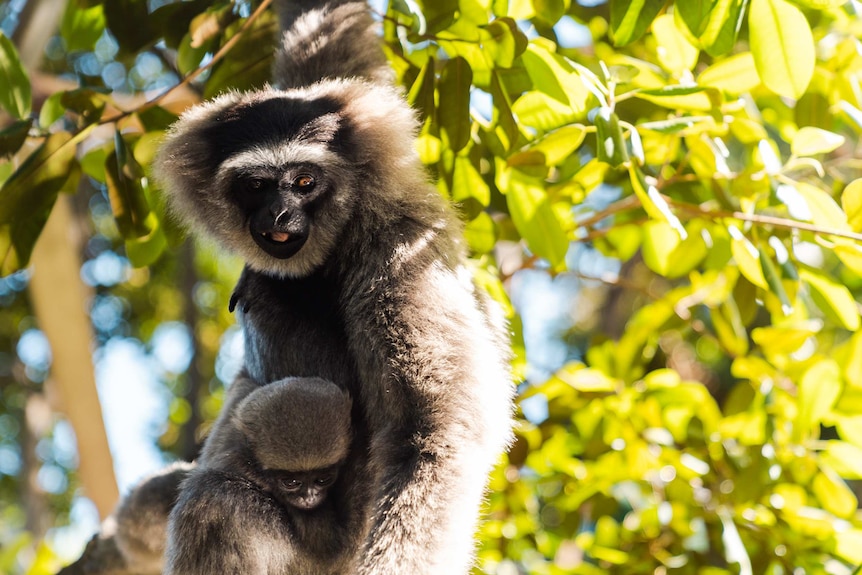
point(268, 175)
point(303, 490)
point(280, 204)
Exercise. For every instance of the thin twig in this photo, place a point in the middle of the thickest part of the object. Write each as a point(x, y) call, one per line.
point(766, 220)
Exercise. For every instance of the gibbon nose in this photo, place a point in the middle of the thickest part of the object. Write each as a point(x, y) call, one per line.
point(282, 218)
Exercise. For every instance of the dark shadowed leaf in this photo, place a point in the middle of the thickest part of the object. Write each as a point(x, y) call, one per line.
point(89, 104)
point(453, 113)
point(174, 19)
point(126, 191)
point(27, 196)
point(129, 22)
point(439, 14)
point(13, 137)
point(421, 94)
point(247, 65)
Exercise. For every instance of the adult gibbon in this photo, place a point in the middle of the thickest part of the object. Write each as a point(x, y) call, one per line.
point(355, 273)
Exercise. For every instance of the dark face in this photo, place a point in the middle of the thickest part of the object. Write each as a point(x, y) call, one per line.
point(279, 205)
point(303, 489)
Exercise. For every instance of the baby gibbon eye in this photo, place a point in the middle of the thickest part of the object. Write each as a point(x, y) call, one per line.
point(291, 485)
point(303, 182)
point(324, 480)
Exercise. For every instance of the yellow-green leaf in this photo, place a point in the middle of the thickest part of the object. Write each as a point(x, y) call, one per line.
point(833, 494)
point(809, 141)
point(675, 53)
point(467, 182)
point(843, 458)
point(630, 18)
point(851, 201)
point(848, 545)
point(823, 209)
point(734, 75)
point(819, 387)
point(659, 243)
point(533, 216)
point(783, 46)
point(833, 298)
point(747, 257)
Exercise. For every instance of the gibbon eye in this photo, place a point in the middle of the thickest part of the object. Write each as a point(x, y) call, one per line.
point(291, 485)
point(304, 182)
point(255, 184)
point(324, 480)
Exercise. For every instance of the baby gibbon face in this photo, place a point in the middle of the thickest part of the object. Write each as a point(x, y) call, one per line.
point(303, 490)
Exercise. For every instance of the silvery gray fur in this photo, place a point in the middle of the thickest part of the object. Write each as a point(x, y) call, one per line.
point(377, 298)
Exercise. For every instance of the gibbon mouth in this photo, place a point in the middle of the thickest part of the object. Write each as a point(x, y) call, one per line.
point(277, 237)
point(279, 244)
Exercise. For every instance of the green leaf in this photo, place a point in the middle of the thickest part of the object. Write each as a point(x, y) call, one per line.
point(468, 183)
point(747, 257)
point(773, 280)
point(504, 42)
point(14, 136)
point(421, 95)
point(811, 141)
point(734, 75)
point(174, 20)
point(824, 211)
point(559, 145)
point(848, 546)
point(27, 197)
point(52, 110)
point(851, 201)
point(719, 36)
point(453, 110)
point(145, 250)
point(653, 202)
point(659, 243)
point(439, 14)
point(833, 298)
point(819, 388)
point(610, 144)
point(553, 77)
point(695, 14)
point(87, 103)
point(843, 458)
point(729, 328)
point(481, 234)
point(783, 46)
point(834, 495)
point(14, 83)
point(126, 191)
point(631, 18)
point(675, 53)
point(533, 216)
point(82, 26)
